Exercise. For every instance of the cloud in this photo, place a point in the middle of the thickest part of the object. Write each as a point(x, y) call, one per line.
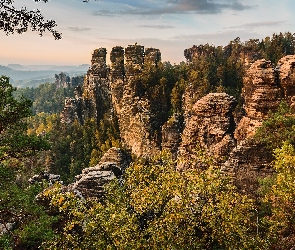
point(156, 26)
point(160, 7)
point(206, 6)
point(78, 29)
point(218, 38)
point(103, 13)
point(258, 25)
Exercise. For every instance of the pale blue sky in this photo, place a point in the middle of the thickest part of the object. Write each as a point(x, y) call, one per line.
point(170, 25)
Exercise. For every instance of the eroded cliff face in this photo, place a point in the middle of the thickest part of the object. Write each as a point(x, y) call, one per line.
point(93, 98)
point(265, 86)
point(210, 125)
point(133, 107)
point(261, 93)
point(118, 91)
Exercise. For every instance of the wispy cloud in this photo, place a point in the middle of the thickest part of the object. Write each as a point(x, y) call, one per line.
point(258, 25)
point(160, 7)
point(78, 29)
point(103, 13)
point(156, 26)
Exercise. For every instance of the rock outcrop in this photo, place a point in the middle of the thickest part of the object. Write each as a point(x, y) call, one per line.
point(171, 135)
point(247, 163)
point(286, 76)
point(261, 91)
point(93, 99)
point(264, 88)
point(209, 122)
point(90, 184)
point(131, 105)
point(262, 94)
point(118, 91)
point(211, 126)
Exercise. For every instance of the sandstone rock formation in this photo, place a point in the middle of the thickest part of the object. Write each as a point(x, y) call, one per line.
point(247, 163)
point(62, 80)
point(262, 94)
point(264, 88)
point(286, 76)
point(93, 99)
point(131, 105)
point(211, 126)
point(90, 184)
point(208, 122)
point(117, 91)
point(171, 135)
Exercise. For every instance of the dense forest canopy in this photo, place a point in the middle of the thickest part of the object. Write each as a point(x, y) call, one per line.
point(156, 206)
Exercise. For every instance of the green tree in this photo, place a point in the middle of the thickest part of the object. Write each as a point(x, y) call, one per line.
point(278, 128)
point(14, 141)
point(158, 207)
point(280, 197)
point(17, 208)
point(19, 20)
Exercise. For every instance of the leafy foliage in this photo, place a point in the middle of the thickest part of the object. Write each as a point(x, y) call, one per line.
point(159, 208)
point(278, 128)
point(16, 204)
point(19, 20)
point(47, 97)
point(14, 141)
point(31, 225)
point(281, 198)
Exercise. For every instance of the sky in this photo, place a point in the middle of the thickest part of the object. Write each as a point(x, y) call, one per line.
point(169, 25)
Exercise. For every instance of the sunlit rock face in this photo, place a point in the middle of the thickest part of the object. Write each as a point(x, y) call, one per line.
point(210, 126)
point(286, 76)
point(90, 184)
point(132, 106)
point(261, 91)
point(261, 94)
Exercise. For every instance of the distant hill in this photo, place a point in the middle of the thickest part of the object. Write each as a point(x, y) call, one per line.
point(33, 75)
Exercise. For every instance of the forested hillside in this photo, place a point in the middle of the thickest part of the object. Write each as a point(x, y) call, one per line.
point(174, 190)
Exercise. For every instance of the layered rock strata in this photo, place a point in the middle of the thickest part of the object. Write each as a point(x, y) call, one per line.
point(210, 126)
point(286, 76)
point(131, 105)
point(90, 184)
point(262, 94)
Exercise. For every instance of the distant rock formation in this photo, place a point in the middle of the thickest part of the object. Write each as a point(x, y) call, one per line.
point(117, 91)
point(208, 122)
